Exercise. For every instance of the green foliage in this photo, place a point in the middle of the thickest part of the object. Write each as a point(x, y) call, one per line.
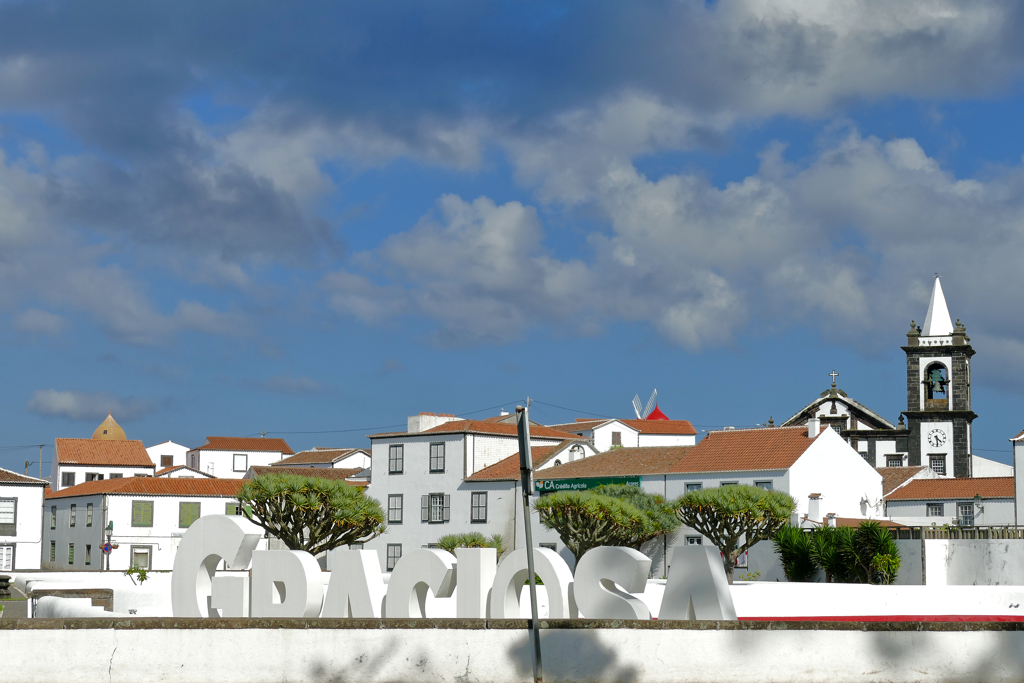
point(735, 517)
point(311, 513)
point(471, 540)
point(609, 515)
point(867, 554)
point(139, 573)
point(794, 548)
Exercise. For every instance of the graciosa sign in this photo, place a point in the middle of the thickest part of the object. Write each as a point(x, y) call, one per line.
point(289, 583)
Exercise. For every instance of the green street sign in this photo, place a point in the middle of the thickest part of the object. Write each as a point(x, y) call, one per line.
point(552, 485)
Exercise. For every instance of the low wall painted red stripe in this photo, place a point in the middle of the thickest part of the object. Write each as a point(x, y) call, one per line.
point(899, 617)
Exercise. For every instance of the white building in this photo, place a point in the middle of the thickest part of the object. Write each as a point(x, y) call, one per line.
point(1018, 474)
point(608, 434)
point(84, 460)
point(21, 527)
point(144, 517)
point(182, 472)
point(343, 458)
point(168, 454)
point(424, 480)
point(966, 502)
point(229, 457)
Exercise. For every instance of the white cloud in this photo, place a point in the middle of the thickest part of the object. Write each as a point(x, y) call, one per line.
point(36, 321)
point(80, 405)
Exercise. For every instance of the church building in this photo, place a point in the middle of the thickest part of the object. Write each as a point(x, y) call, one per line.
point(937, 431)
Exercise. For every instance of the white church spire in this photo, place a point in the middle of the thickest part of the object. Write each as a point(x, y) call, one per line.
point(937, 322)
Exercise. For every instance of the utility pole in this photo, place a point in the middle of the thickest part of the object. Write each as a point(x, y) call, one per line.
point(27, 463)
point(526, 472)
point(41, 462)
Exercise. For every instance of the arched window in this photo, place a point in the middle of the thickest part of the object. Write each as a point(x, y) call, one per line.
point(936, 380)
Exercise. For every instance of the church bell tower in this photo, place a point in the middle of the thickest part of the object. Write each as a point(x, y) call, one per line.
point(939, 414)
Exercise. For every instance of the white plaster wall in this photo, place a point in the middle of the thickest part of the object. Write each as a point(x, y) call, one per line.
point(81, 470)
point(956, 562)
point(983, 467)
point(503, 656)
point(175, 450)
point(831, 467)
point(603, 436)
point(1018, 481)
point(667, 440)
point(884, 449)
point(221, 463)
point(993, 512)
point(28, 530)
point(357, 459)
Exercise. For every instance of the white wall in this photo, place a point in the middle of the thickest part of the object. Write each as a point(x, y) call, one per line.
point(27, 538)
point(106, 470)
point(357, 459)
point(602, 436)
point(221, 463)
point(983, 467)
point(831, 467)
point(667, 439)
point(176, 451)
point(993, 512)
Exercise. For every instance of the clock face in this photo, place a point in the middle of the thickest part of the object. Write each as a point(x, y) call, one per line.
point(936, 438)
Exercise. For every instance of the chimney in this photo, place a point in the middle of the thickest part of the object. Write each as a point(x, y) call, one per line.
point(831, 518)
point(425, 421)
point(813, 507)
point(813, 427)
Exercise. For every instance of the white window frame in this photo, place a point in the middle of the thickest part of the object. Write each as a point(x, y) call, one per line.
point(935, 510)
point(960, 516)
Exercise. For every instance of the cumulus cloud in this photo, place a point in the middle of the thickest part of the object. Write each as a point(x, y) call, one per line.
point(35, 321)
point(85, 406)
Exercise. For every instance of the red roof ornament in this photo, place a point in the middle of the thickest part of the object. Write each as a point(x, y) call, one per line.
point(656, 414)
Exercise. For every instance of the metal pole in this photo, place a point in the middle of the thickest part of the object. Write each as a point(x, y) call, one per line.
point(41, 462)
point(526, 472)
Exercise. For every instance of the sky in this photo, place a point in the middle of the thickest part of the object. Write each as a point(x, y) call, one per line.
point(314, 220)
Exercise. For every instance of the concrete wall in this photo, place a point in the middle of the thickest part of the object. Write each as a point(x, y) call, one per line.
point(499, 652)
point(975, 563)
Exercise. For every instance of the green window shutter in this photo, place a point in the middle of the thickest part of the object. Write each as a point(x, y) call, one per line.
point(136, 513)
point(147, 513)
point(231, 509)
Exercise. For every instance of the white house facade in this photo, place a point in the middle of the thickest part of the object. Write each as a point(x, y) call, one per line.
point(76, 461)
point(167, 454)
point(182, 472)
point(228, 457)
point(340, 458)
point(144, 518)
point(424, 481)
point(21, 525)
point(965, 502)
point(616, 433)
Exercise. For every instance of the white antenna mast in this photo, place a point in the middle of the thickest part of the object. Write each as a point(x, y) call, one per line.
point(637, 406)
point(650, 404)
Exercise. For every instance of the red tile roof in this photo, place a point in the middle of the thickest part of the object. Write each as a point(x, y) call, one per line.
point(1019, 437)
point(102, 452)
point(152, 486)
point(483, 427)
point(320, 456)
point(742, 450)
point(620, 462)
point(318, 472)
point(945, 488)
point(507, 469)
point(9, 477)
point(245, 443)
point(894, 477)
point(675, 427)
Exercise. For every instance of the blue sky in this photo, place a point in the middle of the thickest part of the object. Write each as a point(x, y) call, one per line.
point(317, 220)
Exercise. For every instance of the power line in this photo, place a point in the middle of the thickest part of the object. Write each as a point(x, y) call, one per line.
point(392, 426)
point(573, 410)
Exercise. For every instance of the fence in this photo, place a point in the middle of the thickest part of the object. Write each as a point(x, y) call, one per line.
point(1006, 532)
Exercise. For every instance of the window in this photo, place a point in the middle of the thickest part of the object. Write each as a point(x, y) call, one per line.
point(694, 540)
point(937, 463)
point(71, 553)
point(729, 483)
point(394, 554)
point(88, 554)
point(142, 513)
point(694, 487)
point(53, 517)
point(187, 513)
point(93, 476)
point(894, 461)
point(74, 515)
point(765, 485)
point(166, 461)
point(53, 551)
point(478, 507)
point(140, 556)
point(434, 508)
point(437, 457)
point(88, 514)
point(395, 509)
point(8, 516)
point(67, 479)
point(550, 546)
point(616, 438)
point(396, 459)
point(118, 475)
point(236, 509)
point(936, 510)
point(241, 462)
point(965, 514)
point(6, 558)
